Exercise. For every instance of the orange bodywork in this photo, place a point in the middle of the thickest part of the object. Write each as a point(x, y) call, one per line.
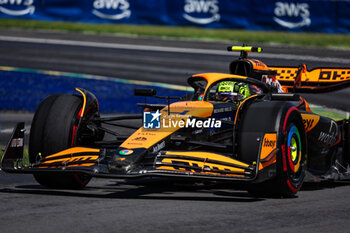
point(207, 166)
point(268, 150)
point(315, 77)
point(70, 156)
point(310, 121)
point(258, 65)
point(152, 136)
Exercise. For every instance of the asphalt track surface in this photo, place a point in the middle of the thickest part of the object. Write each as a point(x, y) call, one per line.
point(118, 206)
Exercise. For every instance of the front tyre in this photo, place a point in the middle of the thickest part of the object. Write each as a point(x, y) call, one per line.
point(54, 128)
point(290, 160)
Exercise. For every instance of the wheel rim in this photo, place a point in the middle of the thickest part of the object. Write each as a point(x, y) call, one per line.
point(294, 148)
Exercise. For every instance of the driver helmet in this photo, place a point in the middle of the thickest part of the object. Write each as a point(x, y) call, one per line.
point(235, 92)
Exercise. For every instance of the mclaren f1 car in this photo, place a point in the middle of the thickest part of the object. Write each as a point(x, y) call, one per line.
point(250, 126)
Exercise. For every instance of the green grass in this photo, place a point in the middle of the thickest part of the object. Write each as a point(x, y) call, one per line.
point(330, 113)
point(238, 36)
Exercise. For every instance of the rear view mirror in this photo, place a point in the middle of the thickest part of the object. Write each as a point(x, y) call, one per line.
point(144, 92)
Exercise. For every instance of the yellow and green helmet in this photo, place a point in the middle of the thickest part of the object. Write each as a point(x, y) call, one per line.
point(232, 91)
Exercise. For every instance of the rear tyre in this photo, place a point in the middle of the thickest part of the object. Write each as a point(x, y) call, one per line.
point(53, 129)
point(291, 164)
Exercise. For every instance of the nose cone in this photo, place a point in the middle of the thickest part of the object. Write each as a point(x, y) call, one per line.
point(148, 137)
point(124, 160)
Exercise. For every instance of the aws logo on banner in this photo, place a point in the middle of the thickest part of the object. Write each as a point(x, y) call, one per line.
point(202, 11)
point(17, 7)
point(111, 9)
point(292, 15)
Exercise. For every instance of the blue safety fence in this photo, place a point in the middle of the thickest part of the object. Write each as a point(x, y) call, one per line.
point(329, 16)
point(23, 90)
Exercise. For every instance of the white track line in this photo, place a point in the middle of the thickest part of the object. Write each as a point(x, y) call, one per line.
point(167, 49)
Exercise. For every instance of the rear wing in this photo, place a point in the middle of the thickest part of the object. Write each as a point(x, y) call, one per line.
point(317, 80)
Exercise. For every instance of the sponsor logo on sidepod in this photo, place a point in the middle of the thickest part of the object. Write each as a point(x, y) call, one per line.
point(201, 11)
point(17, 7)
point(331, 137)
point(292, 15)
point(112, 9)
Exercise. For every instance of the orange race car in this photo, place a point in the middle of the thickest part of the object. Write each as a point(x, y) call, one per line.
point(248, 127)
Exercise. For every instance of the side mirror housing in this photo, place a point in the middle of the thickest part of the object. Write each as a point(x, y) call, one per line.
point(144, 92)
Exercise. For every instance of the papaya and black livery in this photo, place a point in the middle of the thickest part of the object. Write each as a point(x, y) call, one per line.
point(266, 138)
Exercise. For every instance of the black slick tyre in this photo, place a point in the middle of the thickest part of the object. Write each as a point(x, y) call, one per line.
point(53, 129)
point(291, 159)
point(290, 166)
point(291, 163)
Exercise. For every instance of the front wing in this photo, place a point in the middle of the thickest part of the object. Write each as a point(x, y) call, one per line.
point(95, 162)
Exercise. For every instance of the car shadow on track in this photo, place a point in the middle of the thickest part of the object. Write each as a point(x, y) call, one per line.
point(313, 186)
point(164, 190)
point(182, 192)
